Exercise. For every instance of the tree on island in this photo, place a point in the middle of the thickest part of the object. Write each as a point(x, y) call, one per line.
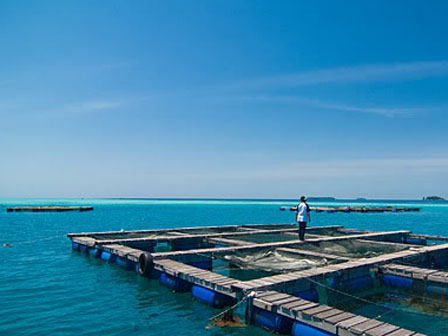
point(433, 198)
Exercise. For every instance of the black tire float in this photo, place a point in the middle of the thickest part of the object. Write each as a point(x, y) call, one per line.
point(145, 264)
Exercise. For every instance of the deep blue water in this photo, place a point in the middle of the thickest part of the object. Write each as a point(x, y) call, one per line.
point(46, 289)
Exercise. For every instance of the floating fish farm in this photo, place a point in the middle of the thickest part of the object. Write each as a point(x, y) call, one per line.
point(364, 209)
point(285, 285)
point(51, 208)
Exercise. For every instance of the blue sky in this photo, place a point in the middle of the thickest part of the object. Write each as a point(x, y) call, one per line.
point(260, 99)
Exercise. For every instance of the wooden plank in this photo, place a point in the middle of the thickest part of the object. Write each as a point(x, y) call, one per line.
point(264, 294)
point(382, 330)
point(345, 326)
point(402, 332)
point(384, 243)
point(289, 299)
point(329, 313)
point(361, 328)
point(275, 297)
point(227, 241)
point(308, 313)
point(429, 237)
point(294, 304)
point(312, 254)
point(339, 318)
point(299, 309)
point(177, 233)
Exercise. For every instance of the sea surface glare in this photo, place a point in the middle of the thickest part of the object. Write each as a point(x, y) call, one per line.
point(48, 289)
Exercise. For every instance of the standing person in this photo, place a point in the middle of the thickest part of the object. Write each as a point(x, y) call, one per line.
point(303, 216)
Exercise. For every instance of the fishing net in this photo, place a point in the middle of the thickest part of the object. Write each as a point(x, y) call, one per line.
point(353, 248)
point(279, 260)
point(273, 261)
point(268, 237)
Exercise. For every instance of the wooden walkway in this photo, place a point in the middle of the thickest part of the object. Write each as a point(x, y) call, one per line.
point(323, 317)
point(415, 273)
point(207, 279)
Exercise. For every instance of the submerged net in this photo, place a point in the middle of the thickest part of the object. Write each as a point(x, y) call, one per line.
point(408, 309)
point(274, 261)
point(353, 248)
point(281, 261)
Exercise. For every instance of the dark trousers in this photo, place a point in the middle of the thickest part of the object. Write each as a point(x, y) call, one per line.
point(302, 228)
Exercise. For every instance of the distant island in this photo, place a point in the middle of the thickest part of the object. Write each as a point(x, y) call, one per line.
point(433, 198)
point(322, 199)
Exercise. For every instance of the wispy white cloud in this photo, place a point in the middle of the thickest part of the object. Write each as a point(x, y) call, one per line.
point(96, 105)
point(343, 75)
point(269, 89)
point(298, 101)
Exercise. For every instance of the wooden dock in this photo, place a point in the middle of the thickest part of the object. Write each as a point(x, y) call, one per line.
point(363, 209)
point(182, 259)
point(323, 317)
point(52, 208)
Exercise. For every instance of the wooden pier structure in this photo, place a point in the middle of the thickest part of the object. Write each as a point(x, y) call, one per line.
point(363, 209)
point(296, 302)
point(51, 208)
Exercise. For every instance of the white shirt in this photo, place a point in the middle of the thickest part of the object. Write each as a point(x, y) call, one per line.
point(302, 212)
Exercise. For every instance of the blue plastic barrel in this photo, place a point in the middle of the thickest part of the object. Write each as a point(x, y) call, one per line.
point(436, 288)
point(398, 281)
point(108, 256)
point(309, 294)
point(301, 329)
point(83, 248)
point(212, 298)
point(174, 283)
point(75, 246)
point(125, 263)
point(271, 321)
point(93, 252)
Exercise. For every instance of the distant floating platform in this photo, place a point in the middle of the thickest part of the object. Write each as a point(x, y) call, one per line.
point(356, 209)
point(49, 208)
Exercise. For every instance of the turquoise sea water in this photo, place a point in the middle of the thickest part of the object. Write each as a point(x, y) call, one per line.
point(46, 289)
